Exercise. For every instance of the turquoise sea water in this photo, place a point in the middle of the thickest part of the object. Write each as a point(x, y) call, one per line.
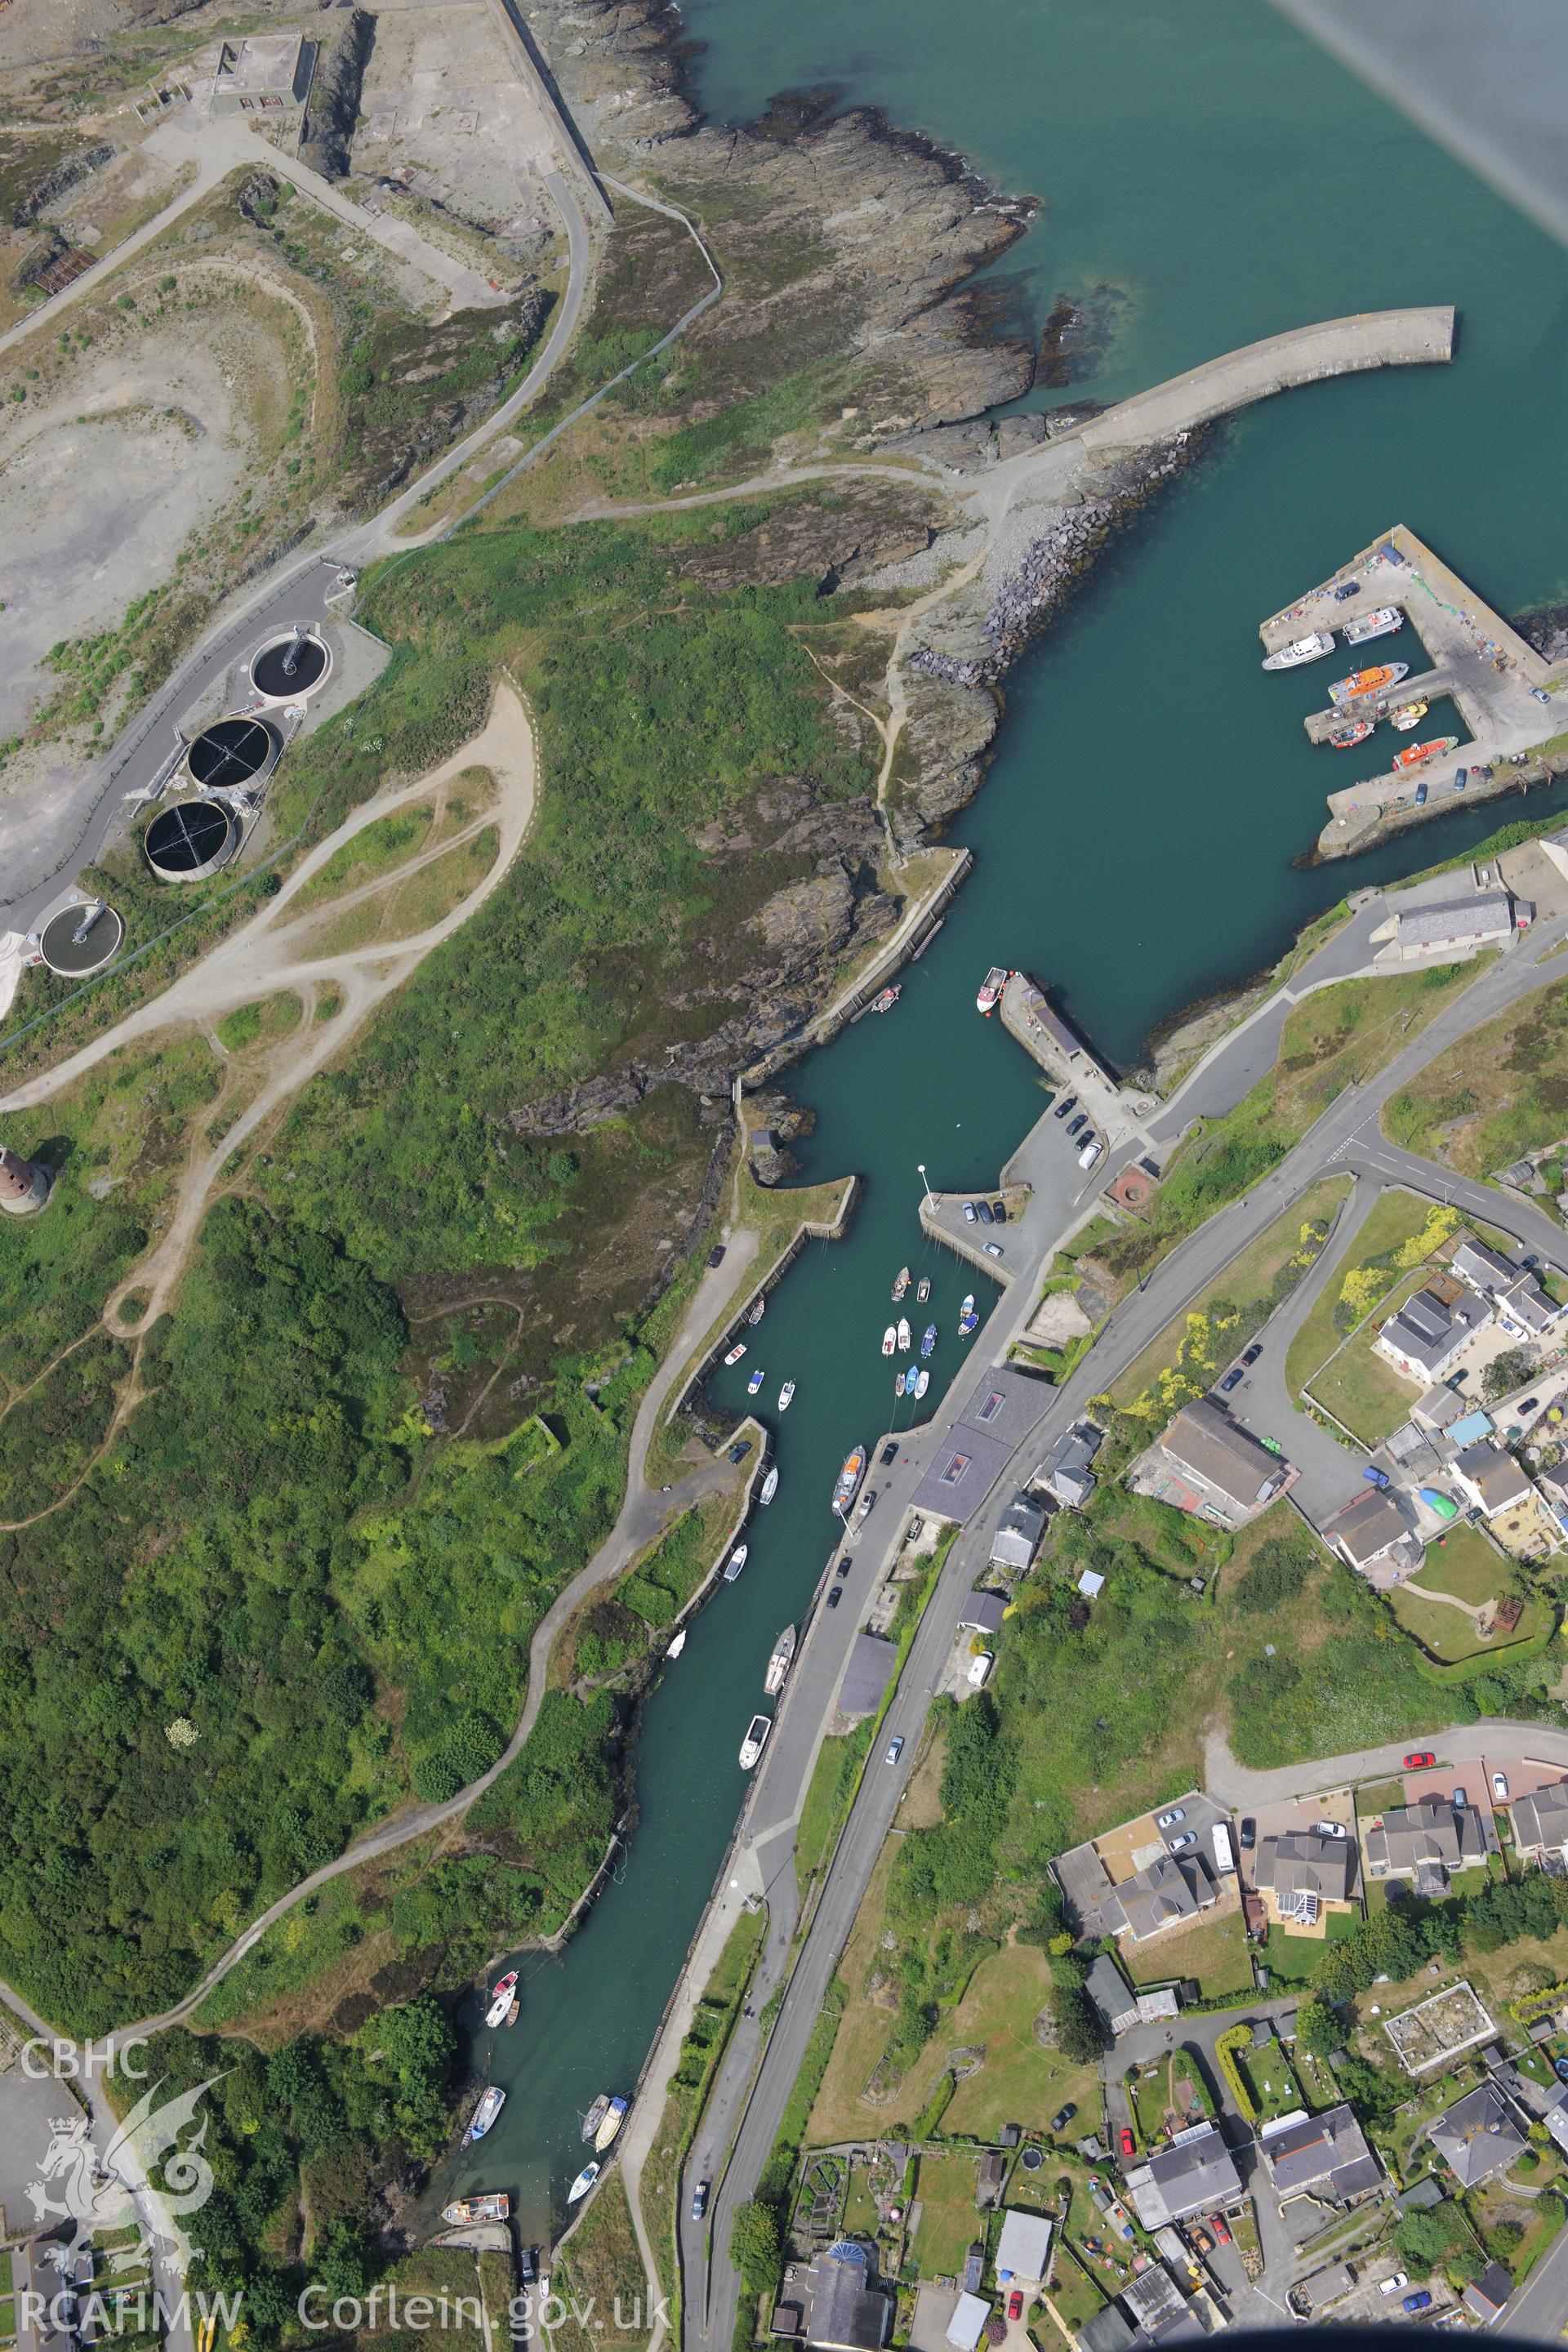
point(1134, 841)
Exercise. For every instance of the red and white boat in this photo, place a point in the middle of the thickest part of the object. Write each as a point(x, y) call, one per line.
point(885, 1002)
point(1341, 738)
point(500, 1999)
point(991, 987)
point(1414, 754)
point(736, 1352)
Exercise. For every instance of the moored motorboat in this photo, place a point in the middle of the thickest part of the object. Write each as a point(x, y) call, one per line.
point(757, 1309)
point(496, 2206)
point(736, 1352)
point(500, 1999)
point(596, 2114)
point(1367, 681)
point(1304, 649)
point(1342, 737)
point(769, 1485)
point(902, 1284)
point(736, 1562)
point(1414, 754)
point(755, 1740)
point(922, 1384)
point(922, 1288)
point(928, 1340)
point(490, 2103)
point(898, 1385)
point(677, 1647)
point(755, 1382)
point(967, 1317)
point(786, 1396)
point(889, 1338)
point(903, 1333)
point(1381, 624)
point(990, 990)
point(615, 2117)
point(888, 999)
point(779, 1664)
point(848, 1480)
point(583, 2182)
point(1408, 714)
point(514, 2012)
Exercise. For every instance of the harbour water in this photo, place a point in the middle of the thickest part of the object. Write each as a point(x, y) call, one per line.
point(1134, 841)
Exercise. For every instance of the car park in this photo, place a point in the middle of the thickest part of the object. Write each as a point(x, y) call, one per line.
point(992, 1249)
point(970, 1213)
point(1126, 2144)
point(895, 1749)
point(1016, 2303)
point(1499, 1787)
point(1168, 1821)
point(986, 1214)
point(1075, 1124)
point(890, 1451)
point(1420, 1761)
point(1248, 1834)
point(1068, 1103)
point(1063, 2116)
point(1180, 1844)
point(699, 2199)
point(1232, 1379)
point(1392, 2285)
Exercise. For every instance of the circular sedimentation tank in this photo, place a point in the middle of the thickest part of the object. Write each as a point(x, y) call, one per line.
point(290, 666)
point(82, 938)
point(232, 752)
point(189, 840)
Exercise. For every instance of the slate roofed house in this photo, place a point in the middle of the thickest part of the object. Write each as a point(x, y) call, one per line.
point(1425, 1339)
point(1372, 1536)
point(1327, 2154)
point(1106, 1987)
point(1525, 1303)
point(1479, 920)
point(1172, 1888)
point(983, 1614)
point(1024, 2249)
point(1483, 1267)
point(1426, 1842)
point(1479, 2135)
point(1063, 1468)
point(1018, 1533)
point(1540, 1821)
point(1491, 1478)
point(1229, 1474)
point(1485, 2296)
point(849, 2311)
point(1194, 2175)
point(1303, 1871)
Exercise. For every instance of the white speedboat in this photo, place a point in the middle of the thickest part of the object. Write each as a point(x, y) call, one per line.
point(988, 994)
point(755, 1740)
point(500, 1999)
point(779, 1664)
point(922, 1384)
point(770, 1487)
point(736, 1563)
point(903, 1335)
point(1305, 649)
point(677, 1647)
point(889, 1338)
point(786, 1396)
point(614, 2116)
point(490, 2105)
point(736, 1354)
point(583, 2182)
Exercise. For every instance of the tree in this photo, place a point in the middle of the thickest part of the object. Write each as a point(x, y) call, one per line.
point(1423, 2239)
point(1506, 1372)
point(1079, 2035)
point(754, 2247)
point(1317, 2028)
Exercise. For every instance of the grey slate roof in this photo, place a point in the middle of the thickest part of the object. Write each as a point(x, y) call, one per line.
point(1107, 2331)
point(848, 2313)
point(1302, 1862)
point(1431, 1833)
point(1541, 1819)
point(1064, 1466)
point(1192, 2175)
point(1327, 2152)
point(1479, 2135)
point(1366, 1528)
point(1484, 915)
point(1430, 1334)
point(1496, 1476)
point(1018, 1533)
point(984, 1612)
point(1478, 1262)
point(1204, 1440)
point(1108, 1989)
point(868, 1670)
point(1172, 1888)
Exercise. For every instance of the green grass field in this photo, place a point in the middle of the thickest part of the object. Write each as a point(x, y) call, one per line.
point(950, 2223)
point(1396, 1218)
point(1215, 1952)
point(1359, 1388)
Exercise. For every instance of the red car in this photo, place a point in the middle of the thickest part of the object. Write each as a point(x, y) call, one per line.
point(1126, 2144)
point(1217, 2224)
point(1016, 2303)
point(1419, 1763)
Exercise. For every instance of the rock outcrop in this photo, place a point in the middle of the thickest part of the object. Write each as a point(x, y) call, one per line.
point(347, 36)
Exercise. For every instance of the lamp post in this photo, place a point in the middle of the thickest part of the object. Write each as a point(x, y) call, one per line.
point(922, 1177)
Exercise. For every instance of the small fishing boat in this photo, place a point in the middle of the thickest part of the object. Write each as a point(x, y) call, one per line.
point(885, 1002)
point(889, 1338)
point(847, 1481)
point(757, 1309)
point(1408, 714)
point(1414, 754)
point(786, 1396)
point(514, 2012)
point(1342, 737)
point(755, 1382)
point(736, 1352)
point(779, 1664)
point(922, 1384)
point(1381, 624)
point(596, 2114)
point(769, 1485)
point(490, 2103)
point(922, 1288)
point(736, 1562)
point(902, 1284)
point(990, 991)
point(1304, 649)
point(1367, 681)
point(500, 1999)
point(967, 1317)
point(928, 1338)
point(903, 1333)
point(494, 2207)
point(677, 1647)
point(755, 1740)
point(898, 1385)
point(614, 2119)
point(583, 2182)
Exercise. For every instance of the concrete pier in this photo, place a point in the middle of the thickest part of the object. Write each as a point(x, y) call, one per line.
point(1510, 698)
point(1427, 688)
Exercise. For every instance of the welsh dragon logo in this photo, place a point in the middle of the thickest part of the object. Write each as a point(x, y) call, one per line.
point(117, 2192)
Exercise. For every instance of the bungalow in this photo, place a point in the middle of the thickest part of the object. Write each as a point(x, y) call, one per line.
point(1371, 1535)
point(1024, 2249)
point(1479, 2135)
point(1490, 1478)
point(983, 1614)
point(849, 2311)
point(1485, 2297)
point(1425, 1339)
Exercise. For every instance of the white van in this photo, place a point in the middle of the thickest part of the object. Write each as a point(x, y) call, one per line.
point(1220, 1837)
point(1091, 1152)
point(980, 1668)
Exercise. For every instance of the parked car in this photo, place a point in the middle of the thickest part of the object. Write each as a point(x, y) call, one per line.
point(1421, 795)
point(834, 1595)
point(1541, 696)
point(895, 1749)
point(1392, 2285)
point(1168, 1821)
point(992, 1249)
point(1075, 1124)
point(1460, 1801)
point(1068, 1102)
point(1461, 778)
point(1421, 1761)
point(739, 1453)
point(700, 2196)
point(1220, 2227)
point(1499, 1787)
point(970, 1213)
point(1127, 2146)
point(987, 1213)
point(1063, 2116)
point(1091, 1152)
point(1248, 1834)
point(1530, 1404)
point(1016, 2303)
point(1374, 1477)
point(844, 1564)
point(1180, 1844)
point(716, 1254)
point(1232, 1379)
point(999, 1211)
point(890, 1451)
point(1330, 1828)
point(1253, 1352)
point(1421, 2301)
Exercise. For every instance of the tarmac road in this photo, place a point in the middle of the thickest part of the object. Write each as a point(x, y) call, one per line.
point(748, 2111)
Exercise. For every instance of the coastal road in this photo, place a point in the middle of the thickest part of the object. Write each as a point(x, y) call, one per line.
point(750, 2105)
